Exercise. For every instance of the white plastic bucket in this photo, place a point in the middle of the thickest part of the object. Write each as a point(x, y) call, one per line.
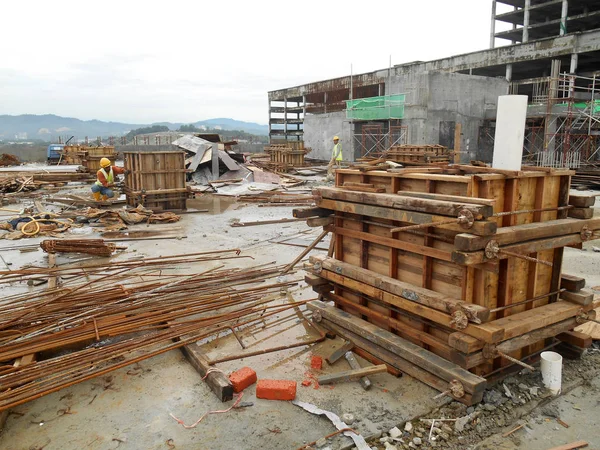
point(551, 368)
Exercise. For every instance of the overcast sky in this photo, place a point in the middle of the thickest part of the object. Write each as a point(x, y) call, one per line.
point(183, 61)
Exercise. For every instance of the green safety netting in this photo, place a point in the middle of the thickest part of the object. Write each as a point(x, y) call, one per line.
point(373, 108)
point(584, 105)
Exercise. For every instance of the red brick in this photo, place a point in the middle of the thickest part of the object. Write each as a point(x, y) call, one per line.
point(276, 389)
point(316, 362)
point(241, 379)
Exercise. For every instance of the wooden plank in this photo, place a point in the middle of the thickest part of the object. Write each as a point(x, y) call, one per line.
point(576, 338)
point(464, 343)
point(480, 227)
point(571, 282)
point(524, 248)
point(533, 319)
point(532, 337)
point(398, 363)
point(571, 446)
point(351, 375)
point(450, 198)
point(583, 297)
point(314, 280)
point(305, 213)
point(395, 243)
point(402, 329)
point(407, 291)
point(395, 344)
point(217, 381)
point(582, 201)
point(419, 204)
point(319, 221)
point(581, 213)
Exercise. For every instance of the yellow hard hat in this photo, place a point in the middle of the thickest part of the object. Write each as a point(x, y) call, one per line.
point(336, 138)
point(104, 162)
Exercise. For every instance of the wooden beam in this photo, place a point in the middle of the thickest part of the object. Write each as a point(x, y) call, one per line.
point(352, 375)
point(576, 338)
point(523, 248)
point(352, 361)
point(395, 243)
point(319, 221)
point(571, 446)
point(396, 362)
point(582, 201)
point(581, 213)
point(583, 297)
point(510, 235)
point(571, 282)
point(305, 213)
point(314, 280)
point(480, 227)
point(419, 204)
point(540, 317)
point(407, 291)
point(449, 198)
point(217, 381)
point(407, 350)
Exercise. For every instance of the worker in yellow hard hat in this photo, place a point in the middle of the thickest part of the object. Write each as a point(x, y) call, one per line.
point(336, 156)
point(105, 180)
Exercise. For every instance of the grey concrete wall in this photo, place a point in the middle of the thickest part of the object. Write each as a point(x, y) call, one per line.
point(319, 130)
point(435, 102)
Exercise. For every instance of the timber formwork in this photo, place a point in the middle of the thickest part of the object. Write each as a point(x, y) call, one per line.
point(460, 266)
point(418, 155)
point(156, 180)
point(283, 157)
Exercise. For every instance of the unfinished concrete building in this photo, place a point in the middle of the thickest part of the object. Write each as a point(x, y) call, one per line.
point(554, 60)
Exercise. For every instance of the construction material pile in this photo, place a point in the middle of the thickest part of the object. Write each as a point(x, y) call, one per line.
point(112, 315)
point(18, 184)
point(34, 225)
point(418, 155)
point(9, 160)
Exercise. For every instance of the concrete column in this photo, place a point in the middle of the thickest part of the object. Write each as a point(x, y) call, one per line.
point(574, 61)
point(509, 72)
point(563, 17)
point(493, 26)
point(526, 21)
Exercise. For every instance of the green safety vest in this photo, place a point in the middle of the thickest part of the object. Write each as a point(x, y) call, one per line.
point(110, 177)
point(337, 150)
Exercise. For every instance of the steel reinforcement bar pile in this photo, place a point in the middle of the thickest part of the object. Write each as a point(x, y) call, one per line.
point(108, 325)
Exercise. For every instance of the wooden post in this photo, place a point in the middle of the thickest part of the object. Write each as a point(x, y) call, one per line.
point(457, 135)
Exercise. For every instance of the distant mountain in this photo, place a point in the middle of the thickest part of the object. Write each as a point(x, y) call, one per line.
point(49, 126)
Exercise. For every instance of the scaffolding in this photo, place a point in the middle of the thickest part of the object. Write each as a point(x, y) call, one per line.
point(563, 126)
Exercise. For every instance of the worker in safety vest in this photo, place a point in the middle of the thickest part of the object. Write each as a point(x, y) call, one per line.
point(336, 154)
point(105, 180)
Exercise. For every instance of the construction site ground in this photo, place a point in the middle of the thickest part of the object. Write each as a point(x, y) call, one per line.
point(132, 408)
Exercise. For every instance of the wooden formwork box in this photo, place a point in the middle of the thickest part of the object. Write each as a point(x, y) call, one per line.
point(93, 155)
point(285, 156)
point(418, 154)
point(156, 179)
point(365, 242)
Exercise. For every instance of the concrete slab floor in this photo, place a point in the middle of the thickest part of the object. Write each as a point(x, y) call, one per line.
point(131, 407)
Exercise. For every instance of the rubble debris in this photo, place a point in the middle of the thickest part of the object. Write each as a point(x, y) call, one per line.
point(316, 362)
point(359, 441)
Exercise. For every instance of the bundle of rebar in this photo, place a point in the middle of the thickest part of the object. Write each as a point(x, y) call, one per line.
point(95, 247)
point(127, 312)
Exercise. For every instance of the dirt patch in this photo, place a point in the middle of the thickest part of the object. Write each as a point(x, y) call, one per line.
point(9, 160)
